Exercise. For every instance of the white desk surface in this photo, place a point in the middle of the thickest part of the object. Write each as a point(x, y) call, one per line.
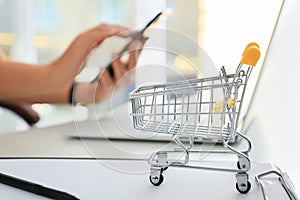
point(89, 179)
point(56, 141)
point(59, 141)
point(129, 179)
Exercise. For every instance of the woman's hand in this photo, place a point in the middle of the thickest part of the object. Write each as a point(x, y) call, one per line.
point(36, 83)
point(65, 68)
point(89, 93)
point(51, 83)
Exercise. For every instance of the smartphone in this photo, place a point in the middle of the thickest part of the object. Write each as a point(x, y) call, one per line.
point(138, 36)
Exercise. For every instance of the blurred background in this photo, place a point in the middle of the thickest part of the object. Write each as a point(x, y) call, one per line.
point(195, 40)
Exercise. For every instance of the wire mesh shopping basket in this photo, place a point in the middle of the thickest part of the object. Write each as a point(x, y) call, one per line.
point(207, 108)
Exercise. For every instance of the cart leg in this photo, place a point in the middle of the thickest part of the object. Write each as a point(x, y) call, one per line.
point(156, 177)
point(185, 149)
point(242, 182)
point(158, 167)
point(162, 158)
point(247, 140)
point(243, 163)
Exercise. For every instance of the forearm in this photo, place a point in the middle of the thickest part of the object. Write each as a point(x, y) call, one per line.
point(84, 93)
point(49, 83)
point(57, 96)
point(18, 80)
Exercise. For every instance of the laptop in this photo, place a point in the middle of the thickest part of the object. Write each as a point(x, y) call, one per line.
point(117, 124)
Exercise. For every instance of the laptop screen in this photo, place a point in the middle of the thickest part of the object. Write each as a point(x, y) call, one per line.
point(223, 30)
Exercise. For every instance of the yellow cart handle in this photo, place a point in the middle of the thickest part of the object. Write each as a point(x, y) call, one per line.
point(251, 54)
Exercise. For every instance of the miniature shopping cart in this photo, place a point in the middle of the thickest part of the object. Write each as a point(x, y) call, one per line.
point(187, 110)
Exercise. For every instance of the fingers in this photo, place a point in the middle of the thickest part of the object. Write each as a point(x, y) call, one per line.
point(108, 84)
point(70, 63)
point(94, 37)
point(135, 49)
point(120, 67)
point(128, 33)
point(105, 80)
point(105, 87)
point(98, 34)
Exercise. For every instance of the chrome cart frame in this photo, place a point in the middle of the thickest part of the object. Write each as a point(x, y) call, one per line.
point(207, 108)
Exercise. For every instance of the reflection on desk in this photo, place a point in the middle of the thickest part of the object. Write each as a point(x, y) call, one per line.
point(74, 140)
point(127, 179)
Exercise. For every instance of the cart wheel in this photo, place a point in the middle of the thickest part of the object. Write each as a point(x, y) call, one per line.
point(243, 188)
point(156, 180)
point(238, 165)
